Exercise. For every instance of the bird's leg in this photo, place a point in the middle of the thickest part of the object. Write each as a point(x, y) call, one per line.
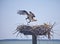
point(29, 21)
point(27, 18)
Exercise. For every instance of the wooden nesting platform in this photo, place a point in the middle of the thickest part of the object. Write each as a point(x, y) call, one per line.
point(35, 31)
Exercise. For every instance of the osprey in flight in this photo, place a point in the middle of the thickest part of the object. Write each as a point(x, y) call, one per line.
point(30, 15)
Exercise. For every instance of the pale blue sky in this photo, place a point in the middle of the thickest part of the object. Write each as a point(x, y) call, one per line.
point(45, 11)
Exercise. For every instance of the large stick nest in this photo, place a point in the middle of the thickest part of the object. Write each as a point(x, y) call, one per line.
point(36, 30)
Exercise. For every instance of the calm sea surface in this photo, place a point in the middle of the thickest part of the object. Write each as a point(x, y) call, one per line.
point(29, 41)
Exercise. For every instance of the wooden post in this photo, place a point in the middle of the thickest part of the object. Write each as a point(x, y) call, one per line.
point(34, 39)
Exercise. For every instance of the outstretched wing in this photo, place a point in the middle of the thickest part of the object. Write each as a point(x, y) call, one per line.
point(32, 14)
point(22, 12)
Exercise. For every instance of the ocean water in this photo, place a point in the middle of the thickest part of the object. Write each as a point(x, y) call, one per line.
point(29, 41)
